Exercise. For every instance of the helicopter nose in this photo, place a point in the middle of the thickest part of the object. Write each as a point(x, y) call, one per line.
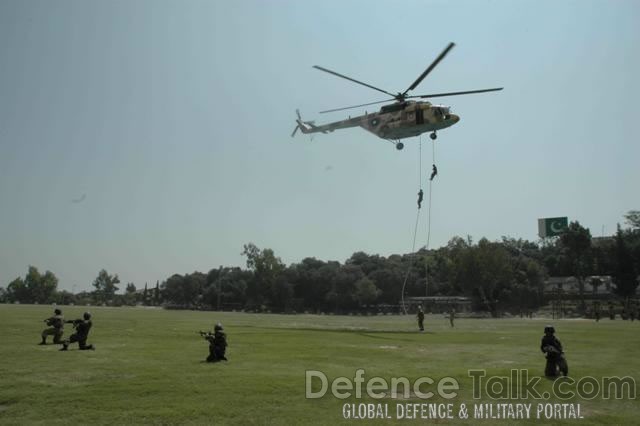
point(454, 118)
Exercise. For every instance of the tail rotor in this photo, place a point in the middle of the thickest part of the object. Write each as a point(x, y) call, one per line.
point(299, 123)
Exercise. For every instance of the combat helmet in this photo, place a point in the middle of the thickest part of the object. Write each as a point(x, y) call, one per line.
point(57, 312)
point(218, 327)
point(86, 315)
point(548, 329)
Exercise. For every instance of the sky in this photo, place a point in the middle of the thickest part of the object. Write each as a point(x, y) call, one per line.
point(152, 137)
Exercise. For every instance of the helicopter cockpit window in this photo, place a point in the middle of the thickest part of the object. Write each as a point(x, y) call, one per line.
point(443, 112)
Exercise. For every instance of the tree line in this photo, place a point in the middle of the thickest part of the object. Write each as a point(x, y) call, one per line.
point(496, 275)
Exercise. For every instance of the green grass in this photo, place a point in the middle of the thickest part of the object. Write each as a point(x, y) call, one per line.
point(148, 367)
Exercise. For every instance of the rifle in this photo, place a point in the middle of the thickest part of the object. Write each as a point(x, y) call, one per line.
point(205, 334)
point(553, 352)
point(53, 322)
point(75, 322)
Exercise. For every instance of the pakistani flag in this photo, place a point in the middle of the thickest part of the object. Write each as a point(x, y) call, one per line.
point(552, 226)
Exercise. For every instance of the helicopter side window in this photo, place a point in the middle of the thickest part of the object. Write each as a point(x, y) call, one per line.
point(392, 107)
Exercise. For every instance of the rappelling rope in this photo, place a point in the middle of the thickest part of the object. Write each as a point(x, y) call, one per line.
point(415, 230)
point(426, 266)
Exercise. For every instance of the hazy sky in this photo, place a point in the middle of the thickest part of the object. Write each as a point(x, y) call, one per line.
point(153, 137)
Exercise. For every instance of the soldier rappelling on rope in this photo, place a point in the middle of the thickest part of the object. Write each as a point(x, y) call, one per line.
point(434, 172)
point(420, 195)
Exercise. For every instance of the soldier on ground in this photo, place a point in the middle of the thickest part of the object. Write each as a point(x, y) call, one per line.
point(612, 314)
point(596, 311)
point(420, 317)
point(552, 347)
point(217, 343)
point(452, 316)
point(82, 327)
point(56, 328)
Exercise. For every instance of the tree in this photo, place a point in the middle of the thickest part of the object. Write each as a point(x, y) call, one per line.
point(367, 264)
point(266, 269)
point(228, 288)
point(34, 288)
point(342, 294)
point(130, 294)
point(105, 286)
point(633, 219)
point(577, 242)
point(17, 291)
point(366, 291)
point(281, 293)
point(41, 287)
point(185, 290)
point(64, 298)
point(624, 276)
point(145, 296)
point(156, 294)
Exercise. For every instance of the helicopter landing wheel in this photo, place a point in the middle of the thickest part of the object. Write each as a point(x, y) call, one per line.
point(433, 136)
point(399, 146)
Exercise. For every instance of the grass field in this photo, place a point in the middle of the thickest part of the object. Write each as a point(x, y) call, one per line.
point(148, 367)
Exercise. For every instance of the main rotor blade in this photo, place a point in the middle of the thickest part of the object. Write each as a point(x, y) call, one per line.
point(351, 79)
point(356, 106)
point(437, 95)
point(430, 68)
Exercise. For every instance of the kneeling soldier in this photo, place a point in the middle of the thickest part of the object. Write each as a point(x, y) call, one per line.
point(82, 327)
point(217, 343)
point(56, 328)
point(552, 347)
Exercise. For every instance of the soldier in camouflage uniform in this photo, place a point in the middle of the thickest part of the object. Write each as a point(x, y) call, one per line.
point(420, 317)
point(82, 327)
point(434, 172)
point(56, 328)
point(552, 347)
point(217, 343)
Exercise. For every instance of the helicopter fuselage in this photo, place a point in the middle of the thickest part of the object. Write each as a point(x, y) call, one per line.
point(394, 121)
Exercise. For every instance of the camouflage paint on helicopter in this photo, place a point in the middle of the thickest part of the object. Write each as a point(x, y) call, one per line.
point(399, 120)
point(395, 121)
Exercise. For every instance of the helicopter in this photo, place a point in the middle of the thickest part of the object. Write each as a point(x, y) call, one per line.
point(401, 119)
